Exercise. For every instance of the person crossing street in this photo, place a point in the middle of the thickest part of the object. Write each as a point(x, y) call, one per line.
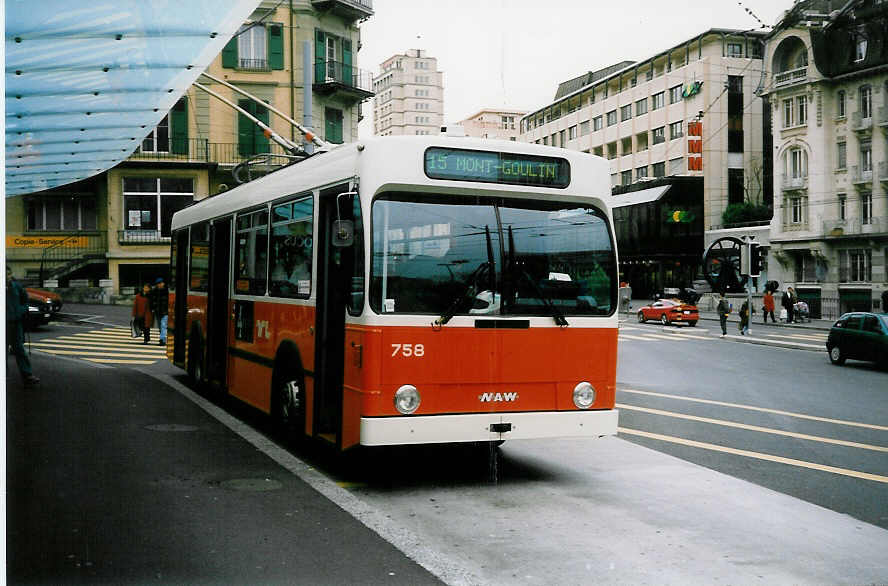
point(160, 300)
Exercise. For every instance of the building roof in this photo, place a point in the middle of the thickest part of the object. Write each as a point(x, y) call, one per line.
point(572, 85)
point(616, 70)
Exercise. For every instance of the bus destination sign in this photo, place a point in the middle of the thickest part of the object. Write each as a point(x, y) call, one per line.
point(490, 167)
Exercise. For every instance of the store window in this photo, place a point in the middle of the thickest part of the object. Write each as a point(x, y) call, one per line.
point(150, 202)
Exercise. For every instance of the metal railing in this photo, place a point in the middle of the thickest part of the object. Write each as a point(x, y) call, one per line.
point(178, 149)
point(336, 72)
point(142, 237)
point(790, 77)
point(71, 252)
point(253, 64)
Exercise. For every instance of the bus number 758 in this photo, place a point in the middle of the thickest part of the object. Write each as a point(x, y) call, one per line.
point(408, 350)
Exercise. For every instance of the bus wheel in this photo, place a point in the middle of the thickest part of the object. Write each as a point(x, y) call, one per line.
point(288, 405)
point(194, 366)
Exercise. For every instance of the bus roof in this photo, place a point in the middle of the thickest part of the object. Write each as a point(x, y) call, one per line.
point(398, 161)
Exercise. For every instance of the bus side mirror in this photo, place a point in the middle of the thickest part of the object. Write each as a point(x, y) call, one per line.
point(343, 233)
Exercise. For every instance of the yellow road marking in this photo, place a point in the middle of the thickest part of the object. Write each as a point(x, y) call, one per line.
point(759, 409)
point(64, 345)
point(100, 339)
point(756, 455)
point(748, 427)
point(124, 330)
point(112, 361)
point(120, 354)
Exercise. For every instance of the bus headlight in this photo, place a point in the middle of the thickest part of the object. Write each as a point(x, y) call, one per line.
point(407, 399)
point(584, 395)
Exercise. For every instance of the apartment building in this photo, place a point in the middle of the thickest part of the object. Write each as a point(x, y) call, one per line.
point(501, 124)
point(409, 95)
point(117, 225)
point(827, 83)
point(684, 132)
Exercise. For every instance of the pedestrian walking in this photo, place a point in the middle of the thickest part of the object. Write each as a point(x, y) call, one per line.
point(160, 300)
point(768, 306)
point(16, 310)
point(723, 310)
point(142, 312)
point(788, 301)
point(743, 326)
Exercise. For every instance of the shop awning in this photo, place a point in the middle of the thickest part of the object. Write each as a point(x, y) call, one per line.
point(637, 197)
point(87, 81)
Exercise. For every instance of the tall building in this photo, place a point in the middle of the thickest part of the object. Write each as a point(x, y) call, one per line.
point(683, 130)
point(827, 83)
point(116, 225)
point(409, 95)
point(501, 124)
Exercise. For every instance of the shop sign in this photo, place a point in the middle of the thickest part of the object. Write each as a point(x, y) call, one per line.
point(679, 217)
point(692, 89)
point(45, 241)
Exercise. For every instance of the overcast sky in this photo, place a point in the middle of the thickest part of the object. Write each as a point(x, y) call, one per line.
point(513, 53)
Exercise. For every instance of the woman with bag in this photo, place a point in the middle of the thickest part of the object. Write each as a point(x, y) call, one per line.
point(142, 317)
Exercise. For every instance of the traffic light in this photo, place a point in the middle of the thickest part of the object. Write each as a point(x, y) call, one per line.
point(755, 259)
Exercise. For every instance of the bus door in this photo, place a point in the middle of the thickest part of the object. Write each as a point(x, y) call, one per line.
point(217, 305)
point(180, 333)
point(335, 268)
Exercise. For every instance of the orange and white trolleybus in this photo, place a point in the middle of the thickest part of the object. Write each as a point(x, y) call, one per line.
point(406, 290)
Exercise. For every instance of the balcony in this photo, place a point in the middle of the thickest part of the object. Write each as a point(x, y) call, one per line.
point(253, 65)
point(791, 77)
point(853, 227)
point(861, 176)
point(142, 237)
point(343, 80)
point(192, 150)
point(794, 183)
point(861, 124)
point(349, 9)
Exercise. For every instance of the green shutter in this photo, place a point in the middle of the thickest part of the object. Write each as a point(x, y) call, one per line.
point(320, 57)
point(179, 130)
point(276, 45)
point(229, 54)
point(333, 125)
point(245, 130)
point(347, 63)
point(260, 143)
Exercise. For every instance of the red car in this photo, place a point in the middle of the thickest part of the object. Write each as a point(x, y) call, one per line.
point(48, 297)
point(669, 311)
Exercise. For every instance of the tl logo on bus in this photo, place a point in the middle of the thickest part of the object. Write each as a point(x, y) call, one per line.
point(497, 397)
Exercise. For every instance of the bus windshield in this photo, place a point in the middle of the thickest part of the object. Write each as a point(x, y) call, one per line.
point(451, 255)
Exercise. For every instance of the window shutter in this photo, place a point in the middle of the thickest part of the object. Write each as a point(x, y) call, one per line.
point(245, 130)
point(320, 56)
point(347, 62)
point(276, 45)
point(229, 54)
point(179, 130)
point(260, 143)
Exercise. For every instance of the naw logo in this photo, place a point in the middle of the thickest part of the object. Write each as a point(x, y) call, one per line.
point(497, 397)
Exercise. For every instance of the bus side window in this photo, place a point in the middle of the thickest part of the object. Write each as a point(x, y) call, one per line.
point(291, 247)
point(251, 253)
point(199, 252)
point(356, 296)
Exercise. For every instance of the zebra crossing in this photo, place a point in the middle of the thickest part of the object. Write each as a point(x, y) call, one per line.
point(111, 345)
point(673, 334)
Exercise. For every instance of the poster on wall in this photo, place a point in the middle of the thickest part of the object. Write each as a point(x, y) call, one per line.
point(135, 219)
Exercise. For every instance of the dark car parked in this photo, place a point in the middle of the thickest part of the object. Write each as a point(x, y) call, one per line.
point(859, 335)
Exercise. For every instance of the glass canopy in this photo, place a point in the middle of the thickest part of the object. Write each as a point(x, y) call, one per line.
point(86, 81)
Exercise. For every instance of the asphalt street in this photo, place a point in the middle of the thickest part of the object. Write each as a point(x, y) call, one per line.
point(735, 462)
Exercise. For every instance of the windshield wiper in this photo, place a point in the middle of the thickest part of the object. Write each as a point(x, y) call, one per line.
point(471, 290)
point(514, 266)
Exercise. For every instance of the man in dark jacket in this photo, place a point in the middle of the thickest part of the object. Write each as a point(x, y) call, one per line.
point(16, 309)
point(160, 301)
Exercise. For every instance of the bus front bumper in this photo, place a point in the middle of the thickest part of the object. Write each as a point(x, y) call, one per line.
point(436, 429)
